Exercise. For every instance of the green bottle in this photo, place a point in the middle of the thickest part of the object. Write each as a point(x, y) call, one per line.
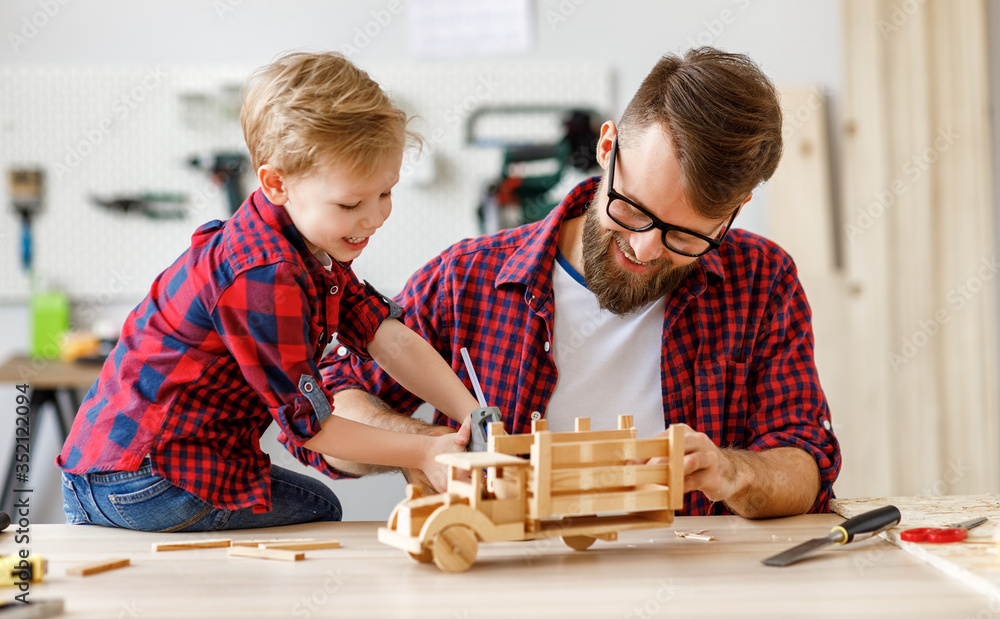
point(49, 322)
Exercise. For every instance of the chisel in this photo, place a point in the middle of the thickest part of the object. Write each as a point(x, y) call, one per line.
point(873, 522)
point(481, 417)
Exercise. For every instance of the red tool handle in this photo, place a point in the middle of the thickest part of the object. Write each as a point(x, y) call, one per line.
point(934, 535)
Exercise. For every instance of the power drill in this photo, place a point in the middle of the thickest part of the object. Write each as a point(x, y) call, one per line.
point(227, 170)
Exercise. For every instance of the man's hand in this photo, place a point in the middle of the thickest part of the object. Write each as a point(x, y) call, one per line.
point(708, 468)
point(777, 482)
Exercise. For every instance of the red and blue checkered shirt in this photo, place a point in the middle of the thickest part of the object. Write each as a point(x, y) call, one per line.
point(227, 340)
point(737, 353)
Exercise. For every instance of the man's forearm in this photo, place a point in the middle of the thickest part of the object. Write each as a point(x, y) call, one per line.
point(366, 408)
point(777, 482)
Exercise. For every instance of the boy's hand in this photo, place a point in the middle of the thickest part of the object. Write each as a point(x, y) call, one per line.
point(437, 473)
point(425, 478)
point(464, 433)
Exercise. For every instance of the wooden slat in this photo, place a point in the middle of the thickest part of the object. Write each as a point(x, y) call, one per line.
point(596, 478)
point(676, 434)
point(191, 544)
point(96, 567)
point(519, 444)
point(603, 477)
point(966, 348)
point(913, 253)
point(865, 418)
point(608, 452)
point(309, 544)
point(266, 553)
point(642, 498)
point(540, 479)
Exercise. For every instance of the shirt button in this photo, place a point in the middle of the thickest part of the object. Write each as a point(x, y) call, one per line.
point(546, 347)
point(342, 351)
point(826, 424)
point(334, 290)
point(535, 415)
point(308, 387)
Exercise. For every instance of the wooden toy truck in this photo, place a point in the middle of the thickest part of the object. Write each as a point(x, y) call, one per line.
point(580, 486)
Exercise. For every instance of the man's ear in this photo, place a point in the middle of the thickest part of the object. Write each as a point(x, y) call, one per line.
point(604, 143)
point(272, 182)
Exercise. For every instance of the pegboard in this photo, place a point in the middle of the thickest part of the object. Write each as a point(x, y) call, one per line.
point(106, 131)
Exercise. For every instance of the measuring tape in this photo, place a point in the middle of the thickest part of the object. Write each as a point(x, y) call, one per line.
point(14, 570)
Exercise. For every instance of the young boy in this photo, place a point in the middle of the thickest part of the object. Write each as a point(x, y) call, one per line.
point(229, 337)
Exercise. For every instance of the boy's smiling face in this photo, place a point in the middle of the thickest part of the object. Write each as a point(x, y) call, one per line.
point(333, 208)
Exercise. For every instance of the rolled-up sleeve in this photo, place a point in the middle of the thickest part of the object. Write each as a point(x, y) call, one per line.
point(787, 404)
point(263, 319)
point(362, 310)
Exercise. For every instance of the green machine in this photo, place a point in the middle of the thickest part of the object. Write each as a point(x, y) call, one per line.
point(521, 193)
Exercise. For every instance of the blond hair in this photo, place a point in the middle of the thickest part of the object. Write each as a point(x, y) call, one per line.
point(306, 109)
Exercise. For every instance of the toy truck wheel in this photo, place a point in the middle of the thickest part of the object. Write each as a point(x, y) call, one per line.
point(454, 548)
point(578, 542)
point(424, 556)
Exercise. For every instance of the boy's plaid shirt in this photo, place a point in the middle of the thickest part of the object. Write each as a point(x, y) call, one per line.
point(216, 351)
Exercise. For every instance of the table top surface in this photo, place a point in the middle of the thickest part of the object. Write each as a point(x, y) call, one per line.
point(644, 573)
point(49, 373)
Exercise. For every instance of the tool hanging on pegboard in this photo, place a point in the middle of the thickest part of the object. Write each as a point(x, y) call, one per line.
point(529, 172)
point(26, 192)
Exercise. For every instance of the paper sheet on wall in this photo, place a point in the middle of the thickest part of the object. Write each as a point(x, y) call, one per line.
point(459, 28)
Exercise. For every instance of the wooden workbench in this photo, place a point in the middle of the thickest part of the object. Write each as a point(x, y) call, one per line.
point(644, 574)
point(973, 562)
point(49, 381)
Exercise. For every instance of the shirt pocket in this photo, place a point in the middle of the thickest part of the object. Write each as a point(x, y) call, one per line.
point(722, 400)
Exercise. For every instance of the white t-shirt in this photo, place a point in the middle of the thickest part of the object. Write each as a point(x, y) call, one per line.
point(608, 365)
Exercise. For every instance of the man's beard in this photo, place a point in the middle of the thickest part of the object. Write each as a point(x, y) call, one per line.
point(619, 290)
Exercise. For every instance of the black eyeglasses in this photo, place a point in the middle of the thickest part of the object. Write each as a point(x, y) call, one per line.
point(631, 216)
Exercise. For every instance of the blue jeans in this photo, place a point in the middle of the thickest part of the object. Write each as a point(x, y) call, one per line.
point(142, 501)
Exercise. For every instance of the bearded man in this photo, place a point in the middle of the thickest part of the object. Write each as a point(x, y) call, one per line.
point(635, 296)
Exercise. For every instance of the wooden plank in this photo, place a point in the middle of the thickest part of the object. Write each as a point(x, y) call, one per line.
point(650, 497)
point(625, 422)
point(581, 424)
point(314, 544)
point(191, 544)
point(520, 444)
point(608, 452)
point(595, 478)
point(913, 250)
point(541, 478)
point(255, 543)
point(865, 413)
point(603, 527)
point(966, 354)
point(266, 553)
point(96, 567)
point(676, 483)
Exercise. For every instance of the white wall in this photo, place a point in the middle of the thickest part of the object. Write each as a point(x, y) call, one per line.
point(795, 42)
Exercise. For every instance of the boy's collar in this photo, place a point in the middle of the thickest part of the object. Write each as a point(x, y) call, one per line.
point(275, 216)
